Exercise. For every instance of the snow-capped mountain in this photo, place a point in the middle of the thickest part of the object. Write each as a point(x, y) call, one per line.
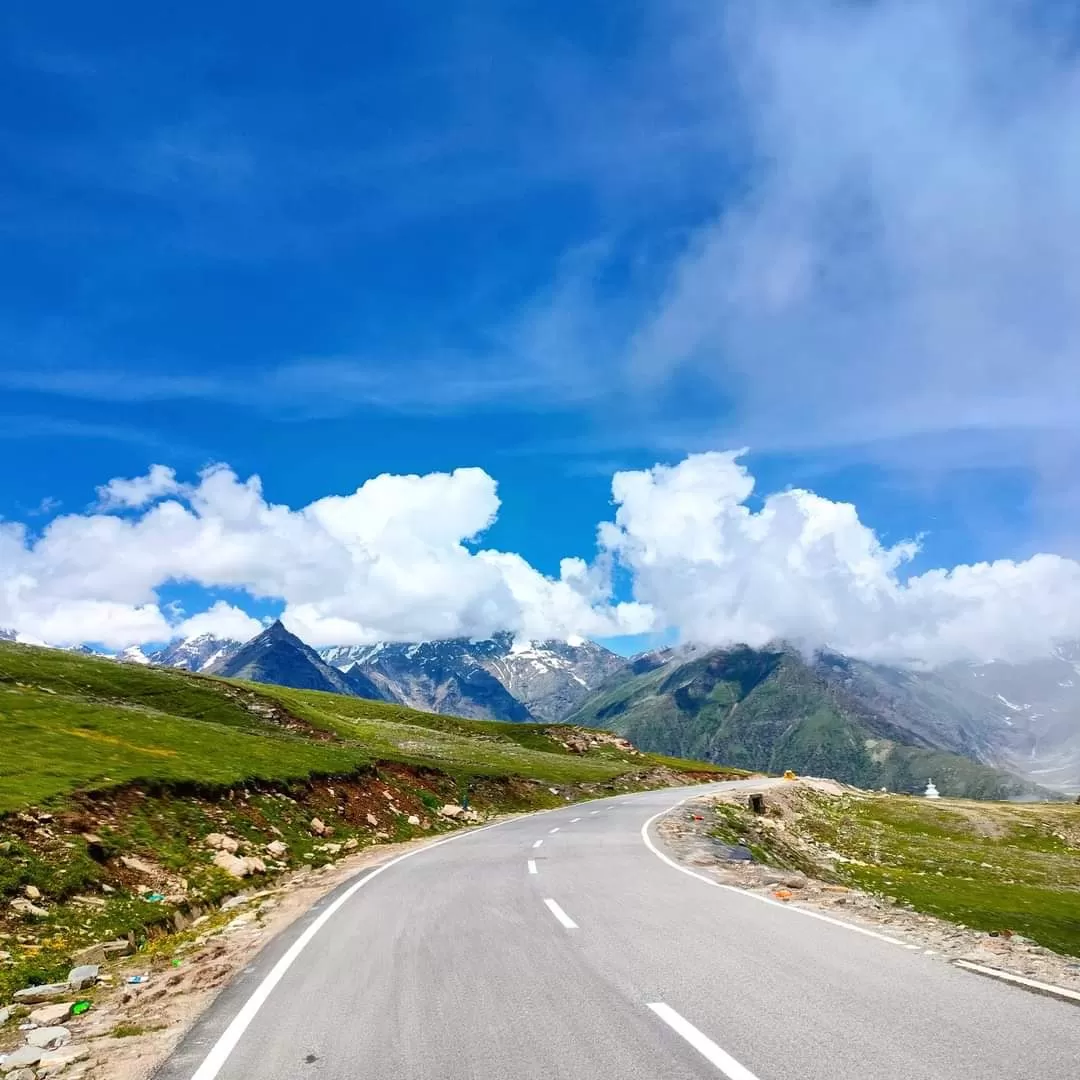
point(197, 653)
point(22, 639)
point(133, 655)
point(494, 679)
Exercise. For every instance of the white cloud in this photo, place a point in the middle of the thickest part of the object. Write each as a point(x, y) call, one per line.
point(806, 569)
point(119, 493)
point(222, 620)
point(388, 561)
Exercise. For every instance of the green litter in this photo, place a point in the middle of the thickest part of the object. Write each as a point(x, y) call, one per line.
point(80, 1007)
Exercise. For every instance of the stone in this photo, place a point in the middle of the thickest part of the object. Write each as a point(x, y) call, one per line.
point(277, 848)
point(452, 810)
point(24, 1074)
point(221, 842)
point(48, 1038)
point(83, 976)
point(32, 892)
point(26, 1057)
point(232, 864)
point(51, 1015)
point(133, 862)
point(254, 864)
point(54, 1061)
point(5, 1015)
point(318, 826)
point(351, 844)
point(471, 816)
point(331, 849)
point(35, 995)
point(414, 819)
point(372, 820)
point(28, 909)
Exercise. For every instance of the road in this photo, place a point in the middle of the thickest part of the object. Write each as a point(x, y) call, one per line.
point(560, 946)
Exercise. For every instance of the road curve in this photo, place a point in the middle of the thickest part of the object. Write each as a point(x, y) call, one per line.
point(559, 946)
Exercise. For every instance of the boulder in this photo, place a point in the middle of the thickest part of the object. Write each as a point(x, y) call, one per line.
point(277, 848)
point(48, 1038)
point(51, 1015)
point(351, 844)
point(26, 1057)
point(27, 908)
point(318, 826)
point(221, 842)
point(413, 819)
point(35, 995)
point(32, 892)
point(452, 810)
point(84, 976)
point(232, 864)
point(54, 1061)
point(471, 816)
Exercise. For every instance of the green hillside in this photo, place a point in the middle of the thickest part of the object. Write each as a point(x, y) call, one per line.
point(766, 709)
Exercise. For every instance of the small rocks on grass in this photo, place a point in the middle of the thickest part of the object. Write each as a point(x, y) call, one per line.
point(32, 892)
point(413, 819)
point(28, 909)
point(221, 842)
point(48, 1038)
point(318, 826)
point(452, 811)
point(277, 849)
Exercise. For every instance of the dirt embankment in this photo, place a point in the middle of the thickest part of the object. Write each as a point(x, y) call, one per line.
point(896, 864)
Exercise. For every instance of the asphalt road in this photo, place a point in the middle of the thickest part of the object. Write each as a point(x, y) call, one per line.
point(518, 952)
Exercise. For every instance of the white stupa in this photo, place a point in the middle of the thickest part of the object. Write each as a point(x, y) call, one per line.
point(931, 792)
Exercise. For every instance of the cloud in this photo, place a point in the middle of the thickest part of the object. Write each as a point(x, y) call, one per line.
point(806, 569)
point(119, 493)
point(393, 559)
point(222, 620)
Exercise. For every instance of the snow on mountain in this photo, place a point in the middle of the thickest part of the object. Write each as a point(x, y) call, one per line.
point(133, 655)
point(198, 653)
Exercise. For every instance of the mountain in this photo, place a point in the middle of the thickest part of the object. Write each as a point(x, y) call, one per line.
point(133, 655)
point(493, 679)
point(199, 653)
point(278, 657)
point(774, 709)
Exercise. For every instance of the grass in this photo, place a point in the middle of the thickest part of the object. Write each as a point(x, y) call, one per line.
point(989, 866)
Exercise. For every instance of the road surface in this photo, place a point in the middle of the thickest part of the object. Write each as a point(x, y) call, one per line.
point(562, 946)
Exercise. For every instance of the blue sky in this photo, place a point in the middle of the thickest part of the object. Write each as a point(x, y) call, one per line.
point(553, 241)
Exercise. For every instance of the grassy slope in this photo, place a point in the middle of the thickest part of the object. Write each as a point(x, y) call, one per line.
point(78, 723)
point(759, 709)
point(991, 866)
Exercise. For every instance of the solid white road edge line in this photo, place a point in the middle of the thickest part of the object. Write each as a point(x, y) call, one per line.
point(226, 1043)
point(702, 1043)
point(560, 914)
point(532, 866)
point(755, 896)
point(1031, 984)
point(538, 843)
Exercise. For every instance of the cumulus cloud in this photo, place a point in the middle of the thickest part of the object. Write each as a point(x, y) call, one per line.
point(120, 493)
point(806, 569)
point(222, 620)
point(391, 560)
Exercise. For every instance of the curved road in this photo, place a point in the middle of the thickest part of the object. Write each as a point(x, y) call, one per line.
point(562, 946)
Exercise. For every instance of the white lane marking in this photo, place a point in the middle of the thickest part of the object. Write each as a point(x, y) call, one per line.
point(225, 1045)
point(560, 915)
point(594, 811)
point(538, 843)
point(702, 1043)
point(1031, 984)
point(756, 896)
point(574, 820)
point(532, 866)
point(555, 830)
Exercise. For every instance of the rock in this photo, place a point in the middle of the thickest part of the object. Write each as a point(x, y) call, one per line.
point(232, 864)
point(48, 1038)
point(382, 835)
point(5, 1015)
point(318, 827)
point(28, 909)
point(133, 862)
point(24, 1074)
point(51, 1015)
point(26, 1057)
point(32, 892)
point(332, 849)
point(35, 995)
point(372, 820)
point(794, 881)
point(351, 844)
point(413, 819)
point(83, 976)
point(277, 849)
point(53, 1061)
point(452, 810)
point(471, 816)
point(221, 842)
point(254, 864)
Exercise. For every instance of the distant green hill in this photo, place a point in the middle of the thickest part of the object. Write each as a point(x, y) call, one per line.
point(768, 709)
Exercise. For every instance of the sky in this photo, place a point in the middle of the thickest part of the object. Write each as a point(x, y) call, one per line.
point(714, 322)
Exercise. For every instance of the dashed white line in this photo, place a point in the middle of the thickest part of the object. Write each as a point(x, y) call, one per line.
point(594, 811)
point(532, 866)
point(574, 820)
point(538, 843)
point(560, 914)
point(555, 830)
point(702, 1043)
point(757, 896)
